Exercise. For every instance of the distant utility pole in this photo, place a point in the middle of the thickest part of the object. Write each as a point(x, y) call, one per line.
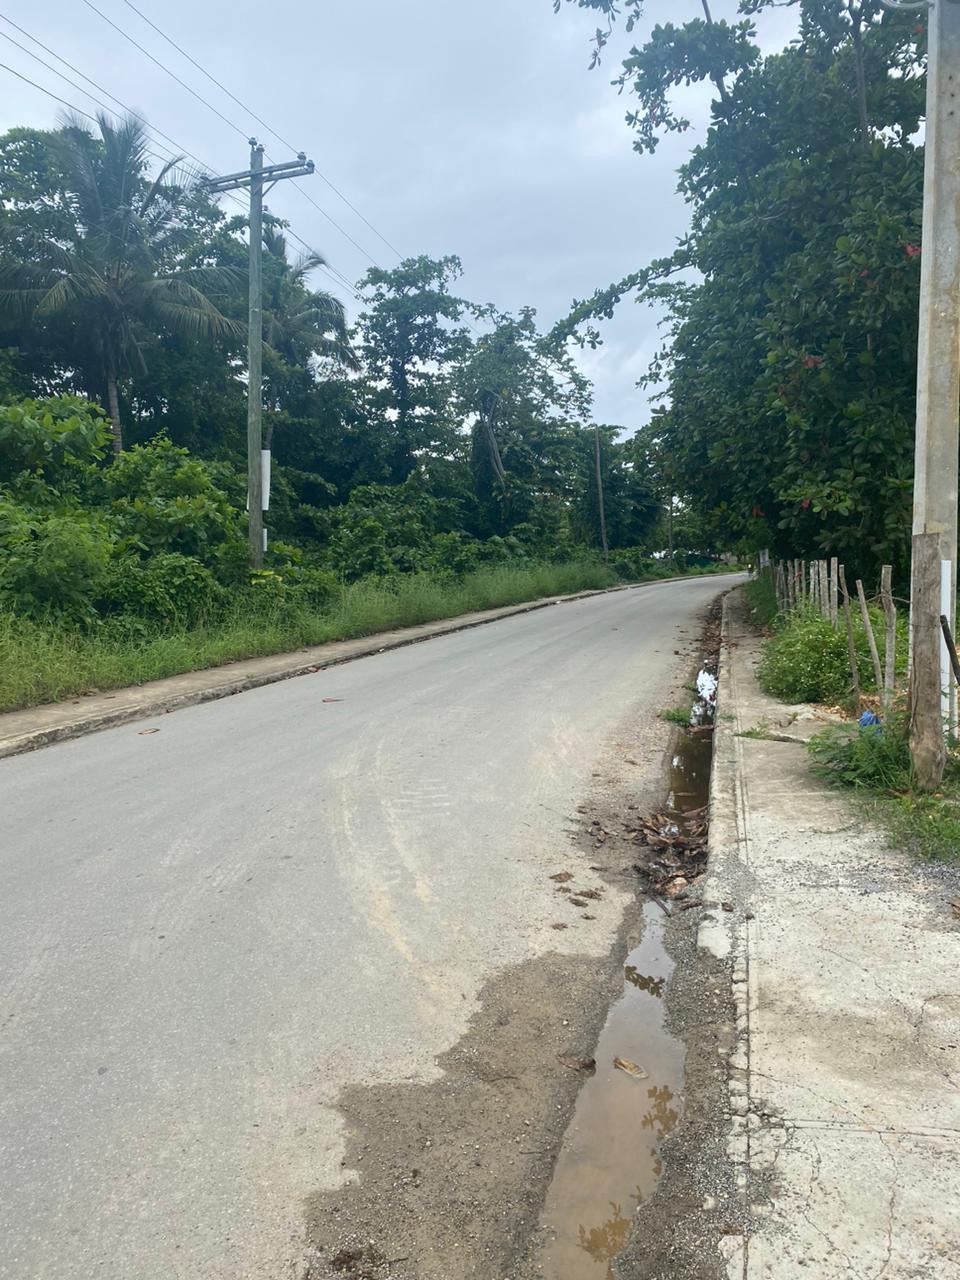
point(934, 576)
point(603, 512)
point(258, 459)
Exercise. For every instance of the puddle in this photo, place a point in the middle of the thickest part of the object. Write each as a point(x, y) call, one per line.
point(610, 1161)
point(690, 772)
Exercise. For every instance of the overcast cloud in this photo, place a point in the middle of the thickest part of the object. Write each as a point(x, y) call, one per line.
point(473, 129)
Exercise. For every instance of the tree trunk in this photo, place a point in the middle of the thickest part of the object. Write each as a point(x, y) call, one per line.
point(113, 405)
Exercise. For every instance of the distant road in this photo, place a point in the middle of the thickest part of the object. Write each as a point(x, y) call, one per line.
point(207, 931)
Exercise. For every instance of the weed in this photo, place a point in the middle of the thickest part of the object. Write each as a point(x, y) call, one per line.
point(874, 758)
point(676, 715)
point(761, 593)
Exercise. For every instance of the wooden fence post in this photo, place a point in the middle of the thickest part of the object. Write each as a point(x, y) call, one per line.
point(890, 654)
point(928, 748)
point(834, 607)
point(871, 638)
point(824, 589)
point(851, 646)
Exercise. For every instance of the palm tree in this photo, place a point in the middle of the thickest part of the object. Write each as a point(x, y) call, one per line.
point(301, 326)
point(122, 280)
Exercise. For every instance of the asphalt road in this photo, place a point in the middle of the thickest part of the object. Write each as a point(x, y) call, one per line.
point(208, 930)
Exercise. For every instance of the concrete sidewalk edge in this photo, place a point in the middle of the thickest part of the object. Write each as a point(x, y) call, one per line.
point(722, 932)
point(158, 697)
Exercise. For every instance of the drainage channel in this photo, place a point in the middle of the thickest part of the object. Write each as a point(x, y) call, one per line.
point(610, 1161)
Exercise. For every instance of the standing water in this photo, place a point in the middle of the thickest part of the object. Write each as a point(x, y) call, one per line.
point(610, 1160)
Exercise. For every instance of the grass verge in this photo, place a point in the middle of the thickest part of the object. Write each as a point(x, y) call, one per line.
point(41, 662)
point(874, 762)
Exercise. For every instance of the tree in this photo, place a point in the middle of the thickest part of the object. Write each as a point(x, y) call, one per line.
point(411, 337)
point(789, 362)
point(117, 277)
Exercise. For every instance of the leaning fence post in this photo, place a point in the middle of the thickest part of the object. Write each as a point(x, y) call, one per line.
point(851, 646)
point(871, 638)
point(890, 654)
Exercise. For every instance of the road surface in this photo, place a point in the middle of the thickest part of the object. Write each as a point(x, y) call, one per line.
point(212, 922)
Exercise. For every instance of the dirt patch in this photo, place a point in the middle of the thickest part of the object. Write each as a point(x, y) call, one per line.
point(453, 1174)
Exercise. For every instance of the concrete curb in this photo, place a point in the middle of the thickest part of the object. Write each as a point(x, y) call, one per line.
point(57, 722)
point(724, 934)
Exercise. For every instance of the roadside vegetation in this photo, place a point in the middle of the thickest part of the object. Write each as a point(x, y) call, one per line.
point(805, 659)
point(437, 457)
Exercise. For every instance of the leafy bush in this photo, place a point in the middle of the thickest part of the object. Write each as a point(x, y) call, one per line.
point(875, 758)
point(806, 662)
point(164, 500)
point(169, 587)
point(51, 565)
point(50, 437)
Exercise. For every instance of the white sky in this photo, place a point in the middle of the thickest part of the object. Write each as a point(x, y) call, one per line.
point(473, 129)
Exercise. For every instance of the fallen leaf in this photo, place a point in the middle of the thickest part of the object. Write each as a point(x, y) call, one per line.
point(631, 1068)
point(562, 877)
point(586, 1066)
point(333, 699)
point(142, 732)
point(955, 904)
point(558, 926)
point(590, 893)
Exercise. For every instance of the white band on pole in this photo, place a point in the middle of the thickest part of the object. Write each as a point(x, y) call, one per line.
point(265, 478)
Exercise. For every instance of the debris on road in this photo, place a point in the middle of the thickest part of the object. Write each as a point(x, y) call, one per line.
point(630, 1068)
point(586, 1066)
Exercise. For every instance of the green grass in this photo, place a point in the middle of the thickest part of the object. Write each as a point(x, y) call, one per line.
point(676, 715)
point(875, 763)
point(42, 662)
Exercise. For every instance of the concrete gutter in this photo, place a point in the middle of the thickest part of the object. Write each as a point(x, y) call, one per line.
point(40, 726)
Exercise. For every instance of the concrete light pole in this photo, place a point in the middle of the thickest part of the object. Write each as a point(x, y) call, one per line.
point(934, 577)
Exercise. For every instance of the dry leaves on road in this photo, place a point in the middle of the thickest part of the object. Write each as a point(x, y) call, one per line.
point(630, 1068)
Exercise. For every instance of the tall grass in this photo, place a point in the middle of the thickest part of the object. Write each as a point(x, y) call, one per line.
point(44, 662)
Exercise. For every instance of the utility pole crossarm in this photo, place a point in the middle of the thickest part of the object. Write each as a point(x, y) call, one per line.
point(253, 180)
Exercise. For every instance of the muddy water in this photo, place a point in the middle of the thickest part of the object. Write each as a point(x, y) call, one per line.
point(610, 1161)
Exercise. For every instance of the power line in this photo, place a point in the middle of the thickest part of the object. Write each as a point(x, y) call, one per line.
point(253, 115)
point(233, 125)
point(73, 107)
point(80, 88)
point(146, 52)
point(337, 276)
point(76, 70)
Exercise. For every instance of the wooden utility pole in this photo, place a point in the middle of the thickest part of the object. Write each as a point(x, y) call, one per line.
point(938, 391)
point(603, 513)
point(258, 461)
